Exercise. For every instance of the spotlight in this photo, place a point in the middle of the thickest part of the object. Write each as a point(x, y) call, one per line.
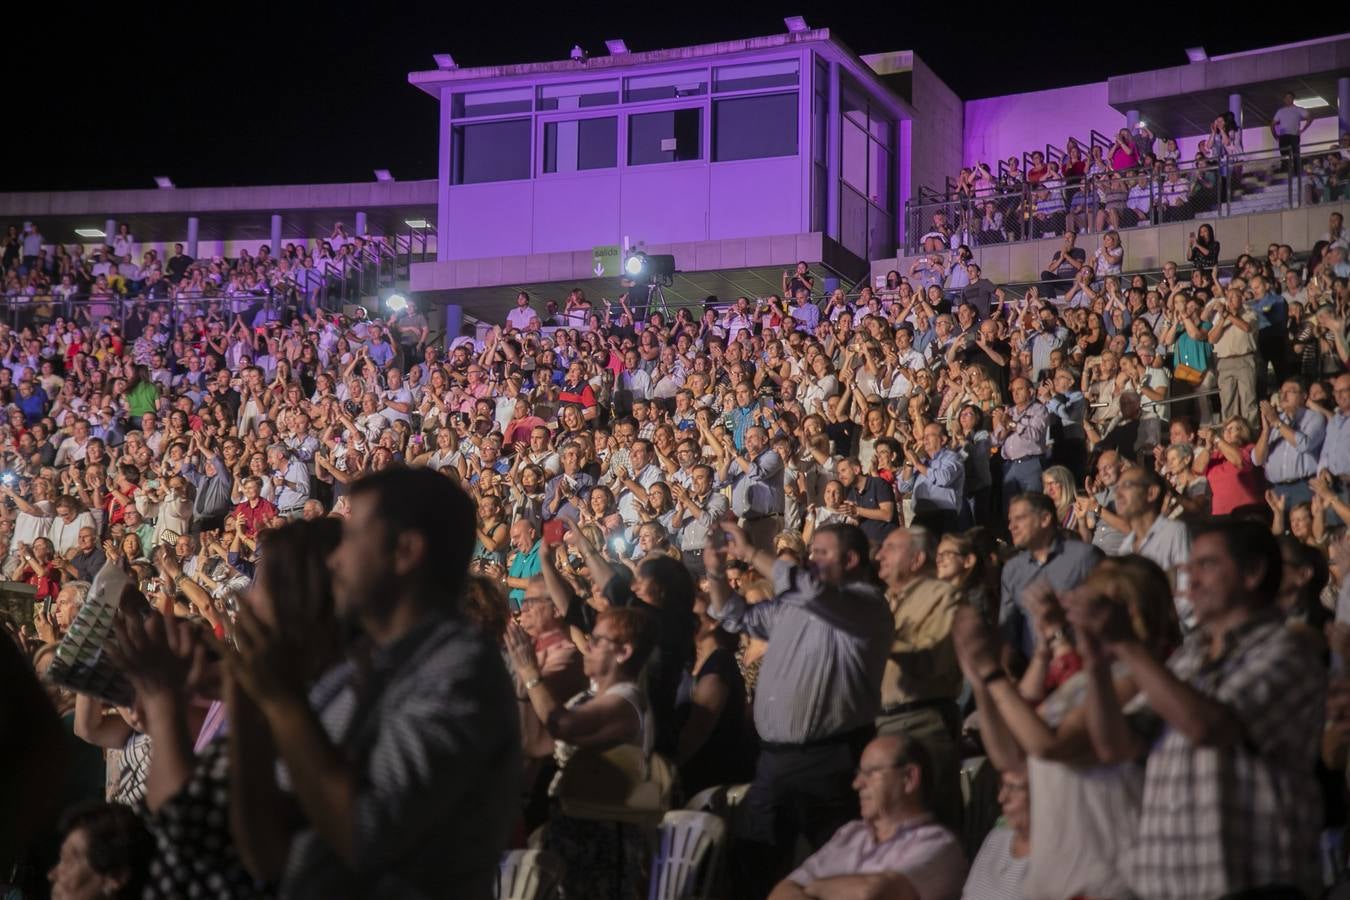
point(616, 46)
point(383, 175)
point(649, 266)
point(444, 61)
point(578, 55)
point(396, 303)
point(164, 182)
point(796, 24)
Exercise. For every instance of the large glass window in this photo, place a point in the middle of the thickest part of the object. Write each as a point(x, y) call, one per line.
point(755, 127)
point(661, 137)
point(755, 76)
point(581, 144)
point(503, 101)
point(490, 151)
point(853, 158)
point(579, 95)
point(665, 86)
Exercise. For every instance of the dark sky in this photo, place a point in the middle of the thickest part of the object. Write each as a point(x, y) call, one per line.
point(294, 92)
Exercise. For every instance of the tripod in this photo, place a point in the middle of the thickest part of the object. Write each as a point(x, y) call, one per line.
point(655, 302)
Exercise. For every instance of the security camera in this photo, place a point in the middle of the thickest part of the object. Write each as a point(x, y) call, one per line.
point(577, 53)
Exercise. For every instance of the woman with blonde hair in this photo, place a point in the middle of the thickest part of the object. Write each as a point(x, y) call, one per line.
point(1057, 484)
point(1084, 808)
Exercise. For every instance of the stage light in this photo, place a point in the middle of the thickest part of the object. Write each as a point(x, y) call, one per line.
point(616, 47)
point(444, 61)
point(396, 303)
point(649, 267)
point(796, 24)
point(164, 182)
point(1197, 54)
point(383, 175)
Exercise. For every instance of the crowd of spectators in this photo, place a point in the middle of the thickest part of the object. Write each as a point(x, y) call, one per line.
point(119, 272)
point(1139, 178)
point(394, 604)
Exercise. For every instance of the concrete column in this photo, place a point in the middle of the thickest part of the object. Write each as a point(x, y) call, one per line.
point(109, 229)
point(1343, 104)
point(275, 239)
point(194, 225)
point(1235, 107)
point(454, 322)
point(360, 223)
point(1131, 118)
point(834, 125)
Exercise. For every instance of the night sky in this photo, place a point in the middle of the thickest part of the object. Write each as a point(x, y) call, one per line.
point(292, 92)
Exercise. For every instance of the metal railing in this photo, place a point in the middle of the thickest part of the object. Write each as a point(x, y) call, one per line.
point(1230, 184)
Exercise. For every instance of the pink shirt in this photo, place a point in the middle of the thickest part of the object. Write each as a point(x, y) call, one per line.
point(1233, 486)
point(923, 851)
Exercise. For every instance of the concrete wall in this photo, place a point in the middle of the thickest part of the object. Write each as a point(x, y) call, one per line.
point(656, 204)
point(1148, 248)
point(939, 127)
point(999, 127)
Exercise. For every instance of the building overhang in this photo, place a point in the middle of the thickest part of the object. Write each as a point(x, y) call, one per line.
point(724, 268)
point(435, 81)
point(1185, 100)
point(225, 213)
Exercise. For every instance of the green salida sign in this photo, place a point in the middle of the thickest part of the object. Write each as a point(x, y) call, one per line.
point(606, 261)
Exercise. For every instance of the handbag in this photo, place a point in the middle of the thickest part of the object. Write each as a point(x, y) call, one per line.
point(621, 784)
point(1188, 374)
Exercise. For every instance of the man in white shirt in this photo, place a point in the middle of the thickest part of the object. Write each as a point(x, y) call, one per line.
point(397, 399)
point(1288, 125)
point(639, 475)
point(521, 317)
point(1139, 500)
point(72, 448)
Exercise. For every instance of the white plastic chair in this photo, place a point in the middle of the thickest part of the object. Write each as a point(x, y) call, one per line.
point(528, 875)
point(711, 800)
point(688, 852)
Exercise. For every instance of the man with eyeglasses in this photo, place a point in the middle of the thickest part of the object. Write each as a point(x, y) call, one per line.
point(923, 678)
point(829, 631)
point(1139, 499)
point(1290, 443)
point(897, 848)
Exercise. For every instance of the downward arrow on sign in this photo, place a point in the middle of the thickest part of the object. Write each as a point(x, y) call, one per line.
point(599, 269)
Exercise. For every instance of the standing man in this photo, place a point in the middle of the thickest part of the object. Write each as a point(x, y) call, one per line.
point(1139, 500)
point(1231, 805)
point(756, 476)
point(828, 629)
point(405, 770)
point(1290, 443)
point(698, 510)
point(1021, 432)
point(923, 678)
point(523, 563)
point(1044, 554)
point(1288, 125)
point(1272, 333)
point(1233, 337)
point(868, 499)
point(937, 481)
point(1335, 457)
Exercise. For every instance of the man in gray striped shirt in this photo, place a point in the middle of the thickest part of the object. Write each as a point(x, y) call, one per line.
point(829, 632)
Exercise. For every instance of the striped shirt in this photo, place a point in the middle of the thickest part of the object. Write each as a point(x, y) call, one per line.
point(1218, 820)
point(821, 674)
point(431, 728)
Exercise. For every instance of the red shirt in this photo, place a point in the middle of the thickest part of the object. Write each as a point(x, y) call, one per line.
point(116, 509)
point(1233, 486)
point(255, 517)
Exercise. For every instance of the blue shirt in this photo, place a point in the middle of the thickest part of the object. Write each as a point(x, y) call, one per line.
point(807, 315)
point(380, 353)
point(1335, 456)
point(1070, 409)
point(1067, 565)
point(1187, 350)
point(523, 565)
point(1296, 461)
point(34, 405)
point(1271, 311)
point(757, 491)
point(742, 417)
point(941, 487)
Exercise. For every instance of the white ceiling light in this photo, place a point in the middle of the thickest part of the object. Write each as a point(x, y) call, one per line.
point(1313, 102)
point(416, 223)
point(91, 232)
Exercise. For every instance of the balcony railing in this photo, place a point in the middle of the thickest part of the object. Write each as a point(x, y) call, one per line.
point(1231, 184)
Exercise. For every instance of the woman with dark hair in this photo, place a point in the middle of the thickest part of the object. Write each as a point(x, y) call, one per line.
point(1204, 248)
point(192, 801)
point(971, 439)
point(716, 746)
point(604, 858)
point(105, 854)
